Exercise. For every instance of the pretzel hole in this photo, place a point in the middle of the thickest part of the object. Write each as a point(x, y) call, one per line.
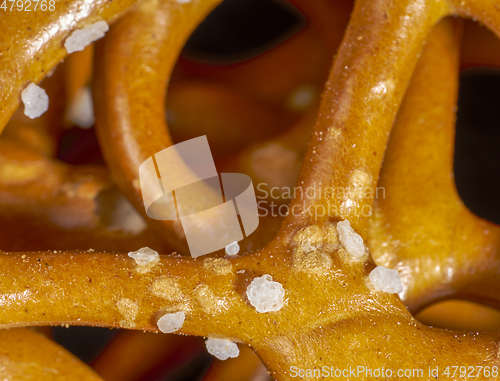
point(460, 315)
point(254, 66)
point(477, 157)
point(238, 30)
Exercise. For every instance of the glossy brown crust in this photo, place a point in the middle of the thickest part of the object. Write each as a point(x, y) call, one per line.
point(32, 43)
point(361, 99)
point(338, 305)
point(332, 316)
point(49, 204)
point(131, 354)
point(134, 63)
point(434, 251)
point(20, 361)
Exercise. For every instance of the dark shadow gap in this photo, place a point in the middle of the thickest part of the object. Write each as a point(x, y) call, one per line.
point(238, 30)
point(84, 342)
point(477, 142)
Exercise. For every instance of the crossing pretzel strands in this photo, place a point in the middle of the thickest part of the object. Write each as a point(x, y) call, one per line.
point(328, 309)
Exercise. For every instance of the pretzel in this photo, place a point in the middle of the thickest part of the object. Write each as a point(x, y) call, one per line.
point(132, 355)
point(330, 308)
point(20, 361)
point(453, 242)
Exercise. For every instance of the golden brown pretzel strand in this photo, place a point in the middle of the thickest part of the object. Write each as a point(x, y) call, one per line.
point(32, 43)
point(452, 253)
point(361, 100)
point(131, 354)
point(364, 91)
point(131, 122)
point(22, 358)
point(383, 92)
point(124, 82)
point(490, 348)
point(285, 169)
point(337, 306)
point(275, 339)
point(48, 204)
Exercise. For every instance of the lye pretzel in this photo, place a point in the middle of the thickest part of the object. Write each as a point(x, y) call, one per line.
point(314, 292)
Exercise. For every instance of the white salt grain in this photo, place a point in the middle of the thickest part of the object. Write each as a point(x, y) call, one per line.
point(81, 109)
point(183, 1)
point(386, 280)
point(171, 322)
point(222, 349)
point(233, 248)
point(350, 239)
point(145, 256)
point(81, 38)
point(265, 295)
point(36, 101)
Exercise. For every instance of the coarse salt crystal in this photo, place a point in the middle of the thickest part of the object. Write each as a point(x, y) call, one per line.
point(265, 295)
point(233, 248)
point(81, 109)
point(386, 280)
point(169, 323)
point(351, 240)
point(145, 256)
point(222, 349)
point(36, 101)
point(81, 38)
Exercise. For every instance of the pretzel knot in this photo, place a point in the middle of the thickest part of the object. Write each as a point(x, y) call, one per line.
point(369, 227)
